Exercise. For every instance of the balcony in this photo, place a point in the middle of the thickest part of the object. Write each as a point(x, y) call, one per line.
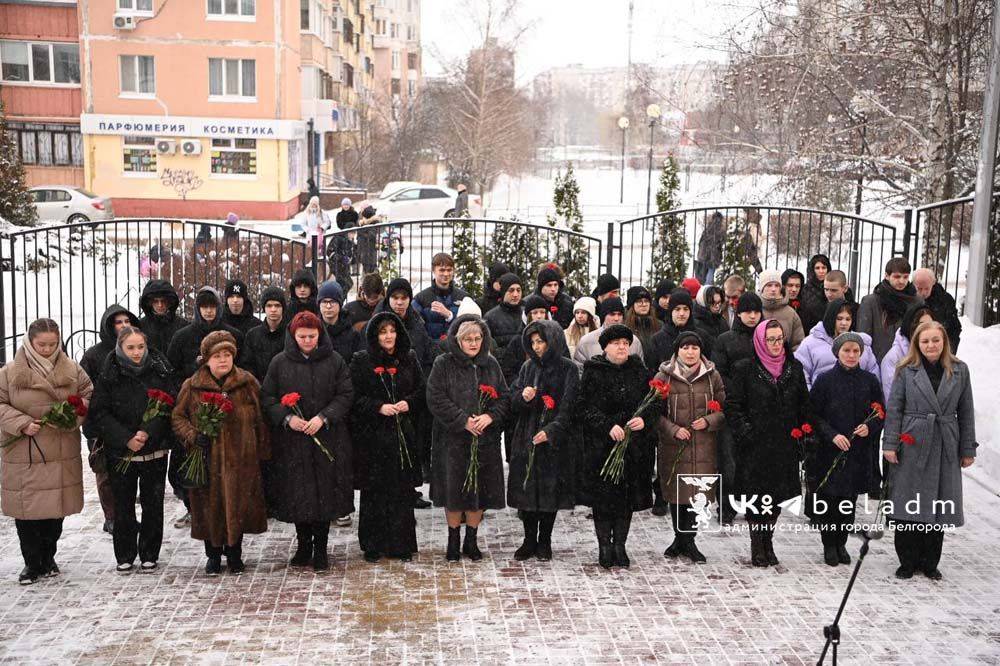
point(381, 41)
point(320, 111)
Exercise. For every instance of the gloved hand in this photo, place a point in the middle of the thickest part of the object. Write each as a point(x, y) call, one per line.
point(203, 440)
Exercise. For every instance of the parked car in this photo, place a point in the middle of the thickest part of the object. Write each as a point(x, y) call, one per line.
point(422, 202)
point(395, 186)
point(58, 203)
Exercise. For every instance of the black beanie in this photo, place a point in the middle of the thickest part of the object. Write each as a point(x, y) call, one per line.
point(273, 294)
point(550, 273)
point(680, 297)
point(665, 288)
point(535, 302)
point(609, 305)
point(749, 302)
point(507, 280)
point(605, 283)
point(687, 338)
point(636, 293)
point(615, 332)
point(236, 288)
point(400, 284)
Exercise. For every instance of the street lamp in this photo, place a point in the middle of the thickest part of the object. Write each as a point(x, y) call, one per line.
point(622, 125)
point(653, 113)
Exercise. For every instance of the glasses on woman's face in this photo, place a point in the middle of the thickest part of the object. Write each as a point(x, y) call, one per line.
point(775, 341)
point(473, 340)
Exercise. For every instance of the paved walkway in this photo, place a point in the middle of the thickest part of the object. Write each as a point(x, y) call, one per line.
point(500, 611)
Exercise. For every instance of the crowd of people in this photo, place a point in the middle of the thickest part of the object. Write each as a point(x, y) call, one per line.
point(617, 405)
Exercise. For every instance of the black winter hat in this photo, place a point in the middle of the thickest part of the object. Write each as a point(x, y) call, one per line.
point(637, 293)
point(912, 315)
point(665, 288)
point(609, 305)
point(550, 273)
point(605, 283)
point(789, 273)
point(535, 302)
point(207, 296)
point(687, 338)
point(400, 284)
point(615, 332)
point(273, 294)
point(497, 270)
point(507, 280)
point(236, 288)
point(680, 297)
point(331, 290)
point(749, 302)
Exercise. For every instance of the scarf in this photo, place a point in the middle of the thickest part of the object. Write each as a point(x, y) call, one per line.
point(774, 303)
point(894, 303)
point(130, 366)
point(41, 364)
point(688, 372)
point(773, 364)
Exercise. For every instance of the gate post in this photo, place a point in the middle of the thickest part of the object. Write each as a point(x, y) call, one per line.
point(610, 252)
point(907, 230)
point(313, 246)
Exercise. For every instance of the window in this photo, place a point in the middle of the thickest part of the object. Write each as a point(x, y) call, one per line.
point(411, 33)
point(408, 195)
point(411, 87)
point(348, 32)
point(232, 78)
point(39, 62)
point(394, 86)
point(138, 75)
point(379, 26)
point(348, 75)
point(411, 60)
point(394, 30)
point(135, 5)
point(395, 60)
point(234, 156)
point(48, 144)
point(232, 8)
point(432, 193)
point(139, 154)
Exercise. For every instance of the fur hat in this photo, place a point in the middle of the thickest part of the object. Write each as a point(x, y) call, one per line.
point(215, 342)
point(615, 332)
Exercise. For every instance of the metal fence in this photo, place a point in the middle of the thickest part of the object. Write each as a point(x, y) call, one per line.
point(938, 238)
point(784, 237)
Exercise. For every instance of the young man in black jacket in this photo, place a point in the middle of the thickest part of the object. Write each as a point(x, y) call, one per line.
point(159, 319)
point(238, 312)
point(345, 339)
point(267, 340)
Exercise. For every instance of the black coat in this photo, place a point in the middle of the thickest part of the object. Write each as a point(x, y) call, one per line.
point(345, 340)
point(359, 312)
point(295, 306)
point(841, 399)
point(506, 323)
point(942, 305)
point(515, 354)
point(185, 347)
point(712, 324)
point(452, 397)
point(243, 322)
point(563, 313)
point(812, 303)
point(305, 485)
point(734, 345)
point(260, 346)
point(378, 465)
point(160, 329)
point(551, 483)
point(420, 342)
point(93, 359)
point(120, 400)
point(761, 414)
point(347, 219)
point(609, 395)
point(663, 341)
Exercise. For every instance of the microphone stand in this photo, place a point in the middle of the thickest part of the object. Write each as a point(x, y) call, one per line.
point(832, 631)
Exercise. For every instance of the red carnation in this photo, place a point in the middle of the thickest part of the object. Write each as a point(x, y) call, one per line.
point(551, 265)
point(795, 304)
point(392, 371)
point(489, 391)
point(444, 336)
point(553, 309)
point(549, 402)
point(879, 410)
point(379, 370)
point(661, 387)
point(290, 399)
point(807, 429)
point(907, 438)
point(75, 401)
point(714, 406)
point(81, 410)
point(796, 433)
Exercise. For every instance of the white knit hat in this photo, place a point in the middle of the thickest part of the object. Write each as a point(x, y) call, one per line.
point(469, 306)
point(587, 304)
point(769, 275)
point(345, 202)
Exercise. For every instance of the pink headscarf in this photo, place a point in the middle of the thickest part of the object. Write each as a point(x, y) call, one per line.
point(773, 364)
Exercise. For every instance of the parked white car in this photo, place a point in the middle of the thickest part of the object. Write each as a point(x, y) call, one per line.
point(423, 202)
point(61, 204)
point(395, 186)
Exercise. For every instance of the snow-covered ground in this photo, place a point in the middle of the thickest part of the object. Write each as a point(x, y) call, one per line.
point(980, 349)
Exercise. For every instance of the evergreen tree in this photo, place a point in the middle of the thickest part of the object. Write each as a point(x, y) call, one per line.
point(570, 251)
point(735, 259)
point(669, 248)
point(515, 246)
point(465, 252)
point(16, 205)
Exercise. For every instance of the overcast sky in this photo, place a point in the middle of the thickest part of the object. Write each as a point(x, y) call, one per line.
point(591, 33)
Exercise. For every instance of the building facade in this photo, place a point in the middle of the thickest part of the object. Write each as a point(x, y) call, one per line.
point(396, 41)
point(40, 88)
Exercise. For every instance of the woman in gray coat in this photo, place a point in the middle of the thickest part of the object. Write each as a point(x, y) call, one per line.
point(453, 398)
point(930, 435)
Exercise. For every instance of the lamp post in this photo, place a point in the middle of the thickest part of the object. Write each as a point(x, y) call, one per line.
point(623, 126)
point(653, 113)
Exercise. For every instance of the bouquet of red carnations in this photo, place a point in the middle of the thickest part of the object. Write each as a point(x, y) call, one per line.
point(158, 403)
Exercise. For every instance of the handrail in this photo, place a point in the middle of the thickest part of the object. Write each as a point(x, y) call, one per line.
point(453, 220)
point(950, 202)
point(143, 220)
point(791, 209)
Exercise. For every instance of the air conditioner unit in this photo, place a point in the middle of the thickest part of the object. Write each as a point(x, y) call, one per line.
point(191, 147)
point(166, 146)
point(125, 22)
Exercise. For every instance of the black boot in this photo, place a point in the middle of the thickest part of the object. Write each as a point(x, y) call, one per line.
point(842, 555)
point(304, 550)
point(605, 554)
point(688, 547)
point(545, 524)
point(758, 556)
point(469, 547)
point(530, 544)
point(674, 549)
point(321, 535)
point(234, 559)
point(213, 567)
point(454, 553)
point(768, 535)
point(621, 527)
point(659, 504)
point(829, 548)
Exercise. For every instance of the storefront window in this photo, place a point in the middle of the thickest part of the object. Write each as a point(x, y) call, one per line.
point(139, 154)
point(234, 156)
